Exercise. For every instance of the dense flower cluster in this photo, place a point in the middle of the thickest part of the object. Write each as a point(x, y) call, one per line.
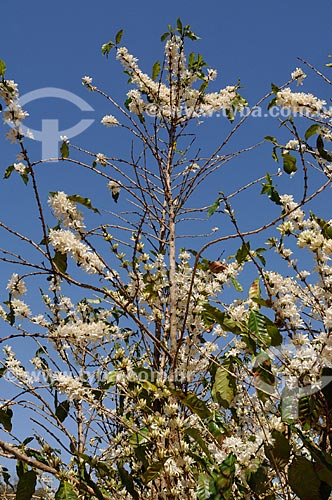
point(299, 102)
point(16, 286)
point(13, 115)
point(298, 75)
point(178, 100)
point(66, 211)
point(64, 241)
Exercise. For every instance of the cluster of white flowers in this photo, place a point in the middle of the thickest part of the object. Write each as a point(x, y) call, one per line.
point(298, 75)
point(66, 211)
point(110, 121)
point(292, 210)
point(245, 450)
point(20, 308)
point(64, 241)
point(175, 58)
point(13, 114)
point(101, 158)
point(16, 286)
point(293, 144)
point(114, 187)
point(81, 331)
point(72, 387)
point(20, 167)
point(87, 82)
point(180, 100)
point(299, 102)
point(285, 293)
point(311, 239)
point(14, 366)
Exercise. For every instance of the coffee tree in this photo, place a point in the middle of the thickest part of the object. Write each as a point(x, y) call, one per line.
point(159, 359)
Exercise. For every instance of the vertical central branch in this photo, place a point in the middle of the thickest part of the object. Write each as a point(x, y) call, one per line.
point(172, 257)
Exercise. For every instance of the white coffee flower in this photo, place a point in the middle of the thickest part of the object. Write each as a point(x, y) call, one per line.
point(109, 121)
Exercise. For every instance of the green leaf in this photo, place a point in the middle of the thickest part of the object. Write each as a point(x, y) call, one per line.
point(62, 410)
point(118, 37)
point(269, 189)
point(264, 378)
point(224, 387)
point(128, 482)
point(217, 428)
point(21, 468)
point(273, 331)
point(257, 325)
point(274, 88)
point(197, 436)
point(27, 440)
point(111, 378)
point(279, 452)
point(212, 315)
point(192, 402)
point(271, 139)
point(127, 102)
point(164, 36)
point(323, 466)
point(238, 287)
point(327, 387)
point(86, 202)
point(6, 415)
point(323, 153)
point(242, 253)
point(106, 48)
point(303, 479)
point(325, 226)
point(115, 195)
point(274, 154)
point(205, 487)
point(272, 103)
point(64, 150)
point(153, 471)
point(3, 68)
point(9, 170)
point(60, 261)
point(289, 163)
point(179, 25)
point(11, 315)
point(202, 89)
point(259, 481)
point(26, 485)
point(254, 290)
point(139, 438)
point(155, 70)
point(214, 207)
point(65, 492)
point(312, 130)
point(225, 479)
point(25, 178)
